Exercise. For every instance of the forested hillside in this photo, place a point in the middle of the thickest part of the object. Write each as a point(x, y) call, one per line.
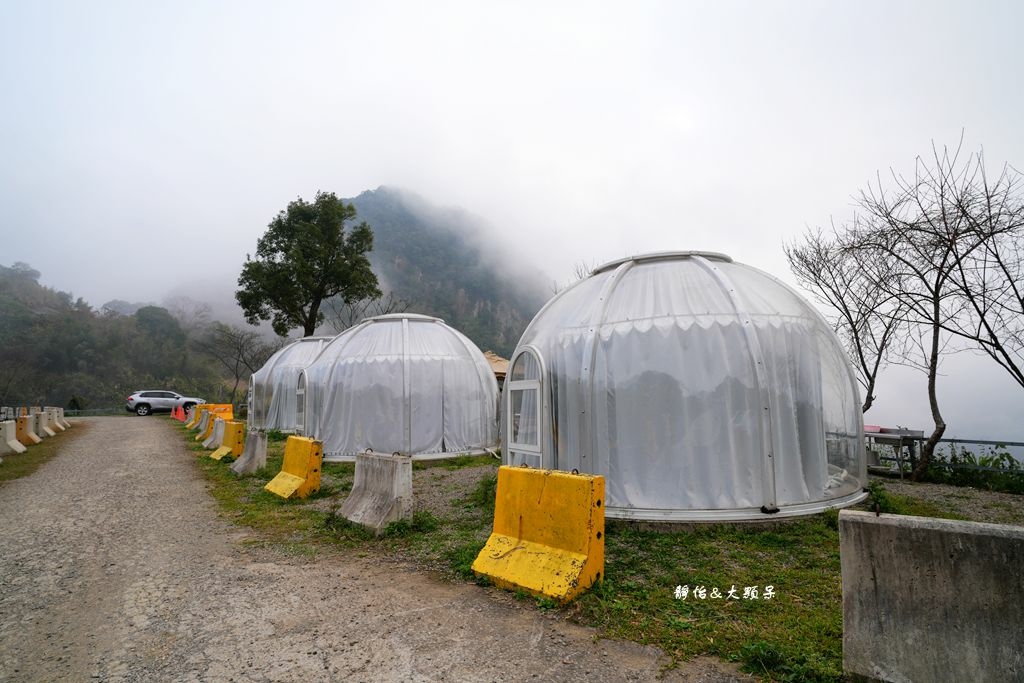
point(439, 261)
point(59, 351)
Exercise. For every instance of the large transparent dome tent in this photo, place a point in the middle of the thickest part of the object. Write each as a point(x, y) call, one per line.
point(702, 390)
point(402, 383)
point(272, 387)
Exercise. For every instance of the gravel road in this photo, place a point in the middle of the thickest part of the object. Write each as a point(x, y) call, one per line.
point(114, 566)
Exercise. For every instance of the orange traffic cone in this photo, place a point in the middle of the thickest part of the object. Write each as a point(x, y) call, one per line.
point(178, 414)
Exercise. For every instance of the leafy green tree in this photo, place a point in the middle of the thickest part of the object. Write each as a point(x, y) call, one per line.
point(304, 258)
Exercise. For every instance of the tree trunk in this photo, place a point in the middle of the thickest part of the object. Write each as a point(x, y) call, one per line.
point(309, 326)
point(869, 398)
point(940, 425)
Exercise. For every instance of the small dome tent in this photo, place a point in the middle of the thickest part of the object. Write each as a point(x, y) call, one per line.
point(402, 383)
point(702, 390)
point(272, 387)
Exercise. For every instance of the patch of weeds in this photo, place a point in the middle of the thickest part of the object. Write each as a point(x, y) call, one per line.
point(545, 603)
point(484, 493)
point(831, 519)
point(879, 500)
point(460, 558)
point(276, 435)
point(422, 522)
point(457, 463)
point(343, 529)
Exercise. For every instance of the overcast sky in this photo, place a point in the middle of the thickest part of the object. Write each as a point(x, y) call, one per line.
point(144, 146)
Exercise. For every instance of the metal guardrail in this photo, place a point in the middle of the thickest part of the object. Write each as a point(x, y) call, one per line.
point(95, 412)
point(912, 444)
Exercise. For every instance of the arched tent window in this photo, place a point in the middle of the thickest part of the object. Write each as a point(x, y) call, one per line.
point(525, 419)
point(300, 404)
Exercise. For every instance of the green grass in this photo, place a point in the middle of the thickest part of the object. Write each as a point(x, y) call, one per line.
point(800, 627)
point(456, 463)
point(18, 465)
point(795, 636)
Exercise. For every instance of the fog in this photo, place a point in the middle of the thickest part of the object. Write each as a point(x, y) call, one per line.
point(146, 147)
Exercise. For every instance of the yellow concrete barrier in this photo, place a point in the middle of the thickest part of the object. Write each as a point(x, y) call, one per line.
point(300, 472)
point(234, 440)
point(25, 431)
point(222, 410)
point(548, 534)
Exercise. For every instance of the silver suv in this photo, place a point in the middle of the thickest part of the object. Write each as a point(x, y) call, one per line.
point(146, 402)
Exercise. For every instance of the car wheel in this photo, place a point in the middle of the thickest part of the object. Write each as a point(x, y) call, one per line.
point(142, 409)
point(188, 406)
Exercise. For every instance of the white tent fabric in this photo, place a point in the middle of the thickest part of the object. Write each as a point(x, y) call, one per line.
point(400, 383)
point(700, 388)
point(272, 387)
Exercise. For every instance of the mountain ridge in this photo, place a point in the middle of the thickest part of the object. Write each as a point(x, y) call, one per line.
point(436, 259)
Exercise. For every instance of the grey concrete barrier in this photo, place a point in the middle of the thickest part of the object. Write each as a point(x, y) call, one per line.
point(39, 425)
point(204, 420)
point(931, 599)
point(57, 417)
point(190, 415)
point(47, 423)
point(254, 455)
point(381, 492)
point(216, 438)
point(53, 421)
point(9, 438)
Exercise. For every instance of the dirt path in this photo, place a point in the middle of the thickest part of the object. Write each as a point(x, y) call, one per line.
point(114, 566)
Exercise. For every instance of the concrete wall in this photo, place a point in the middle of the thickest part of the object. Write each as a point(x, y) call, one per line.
point(931, 599)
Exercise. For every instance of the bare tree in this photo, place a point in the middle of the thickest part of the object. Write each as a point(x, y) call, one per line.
point(866, 318)
point(238, 351)
point(341, 315)
point(990, 279)
point(930, 242)
point(581, 270)
point(193, 315)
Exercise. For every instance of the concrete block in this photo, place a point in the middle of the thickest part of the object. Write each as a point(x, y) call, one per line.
point(382, 491)
point(216, 438)
point(254, 456)
point(63, 420)
point(204, 419)
point(931, 599)
point(26, 430)
point(40, 425)
point(51, 420)
point(56, 423)
point(9, 438)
